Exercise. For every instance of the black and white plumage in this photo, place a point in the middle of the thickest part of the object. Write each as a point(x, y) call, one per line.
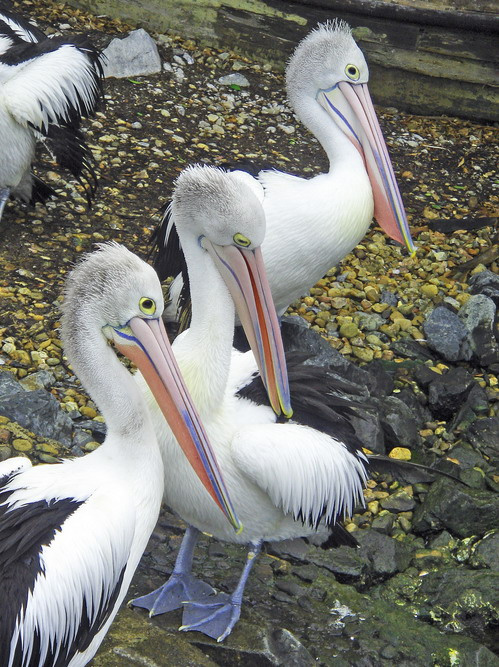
point(46, 86)
point(313, 223)
point(72, 533)
point(287, 479)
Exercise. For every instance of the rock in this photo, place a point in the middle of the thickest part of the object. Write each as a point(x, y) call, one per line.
point(389, 298)
point(484, 435)
point(234, 80)
point(98, 429)
point(398, 502)
point(286, 649)
point(399, 425)
point(39, 412)
point(447, 334)
point(478, 317)
point(486, 552)
point(461, 598)
point(386, 556)
point(369, 321)
point(447, 392)
point(476, 404)
point(369, 431)
point(135, 55)
point(486, 283)
point(8, 384)
point(424, 375)
point(459, 509)
point(38, 380)
point(405, 347)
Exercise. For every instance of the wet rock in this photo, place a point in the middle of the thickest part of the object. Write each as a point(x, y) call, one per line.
point(286, 649)
point(135, 55)
point(447, 335)
point(405, 347)
point(486, 552)
point(486, 283)
point(476, 404)
point(386, 556)
point(478, 317)
point(399, 424)
point(484, 435)
point(461, 510)
point(447, 392)
point(462, 598)
point(398, 502)
point(39, 412)
point(424, 375)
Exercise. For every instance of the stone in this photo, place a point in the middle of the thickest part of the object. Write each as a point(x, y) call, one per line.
point(8, 384)
point(398, 502)
point(478, 317)
point(234, 80)
point(461, 510)
point(446, 334)
point(447, 392)
point(135, 55)
point(399, 424)
point(484, 435)
point(386, 556)
point(412, 349)
point(486, 552)
point(39, 380)
point(39, 412)
point(486, 283)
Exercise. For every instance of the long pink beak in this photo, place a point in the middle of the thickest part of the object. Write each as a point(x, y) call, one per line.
point(144, 341)
point(244, 274)
point(351, 107)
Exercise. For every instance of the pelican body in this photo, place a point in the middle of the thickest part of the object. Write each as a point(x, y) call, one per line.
point(287, 479)
point(313, 223)
point(72, 533)
point(46, 86)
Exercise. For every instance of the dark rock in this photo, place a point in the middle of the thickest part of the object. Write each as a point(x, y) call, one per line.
point(383, 523)
point(424, 375)
point(8, 384)
point(457, 595)
point(98, 429)
point(405, 347)
point(369, 431)
point(288, 650)
point(478, 317)
point(486, 283)
point(400, 427)
point(447, 392)
point(398, 502)
point(484, 435)
point(39, 412)
point(446, 334)
point(414, 402)
point(386, 556)
point(476, 404)
point(297, 335)
point(385, 383)
point(486, 552)
point(463, 511)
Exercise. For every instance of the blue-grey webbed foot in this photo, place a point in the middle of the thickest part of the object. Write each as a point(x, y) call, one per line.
point(178, 589)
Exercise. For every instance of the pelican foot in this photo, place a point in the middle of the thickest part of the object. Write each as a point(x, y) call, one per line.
point(215, 619)
point(178, 589)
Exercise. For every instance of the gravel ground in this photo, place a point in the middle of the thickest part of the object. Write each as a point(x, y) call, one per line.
point(371, 306)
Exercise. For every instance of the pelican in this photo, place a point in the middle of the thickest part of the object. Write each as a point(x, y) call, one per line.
point(72, 533)
point(288, 479)
point(313, 223)
point(46, 86)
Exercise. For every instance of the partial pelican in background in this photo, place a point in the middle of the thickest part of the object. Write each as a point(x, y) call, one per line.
point(313, 223)
point(46, 86)
point(72, 534)
point(288, 479)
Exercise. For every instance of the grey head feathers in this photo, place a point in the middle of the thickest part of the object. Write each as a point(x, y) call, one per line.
point(217, 204)
point(106, 286)
point(319, 60)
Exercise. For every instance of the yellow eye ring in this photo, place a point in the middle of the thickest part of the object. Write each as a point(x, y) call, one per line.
point(147, 305)
point(352, 72)
point(241, 240)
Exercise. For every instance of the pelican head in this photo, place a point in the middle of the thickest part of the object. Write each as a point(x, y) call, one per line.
point(116, 293)
point(226, 217)
point(328, 66)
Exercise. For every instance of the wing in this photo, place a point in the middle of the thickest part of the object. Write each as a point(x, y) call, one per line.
point(61, 571)
point(17, 29)
point(305, 472)
point(51, 81)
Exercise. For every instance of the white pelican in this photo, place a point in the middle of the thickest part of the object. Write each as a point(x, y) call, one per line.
point(46, 86)
point(72, 534)
point(313, 223)
point(286, 479)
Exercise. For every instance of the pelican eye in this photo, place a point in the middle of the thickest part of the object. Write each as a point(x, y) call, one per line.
point(147, 306)
point(241, 240)
point(352, 72)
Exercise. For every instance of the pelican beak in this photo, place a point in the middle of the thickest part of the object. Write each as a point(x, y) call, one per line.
point(244, 273)
point(351, 107)
point(145, 342)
